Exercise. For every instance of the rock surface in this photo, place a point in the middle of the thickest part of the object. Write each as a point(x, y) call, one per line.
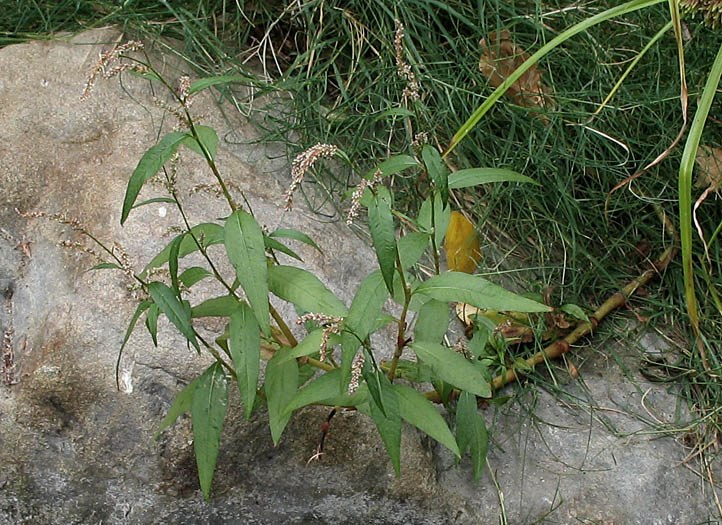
point(74, 449)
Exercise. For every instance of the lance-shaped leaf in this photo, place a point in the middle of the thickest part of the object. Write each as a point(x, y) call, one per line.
point(180, 406)
point(388, 420)
point(151, 322)
point(432, 322)
point(471, 431)
point(452, 367)
point(393, 165)
point(325, 390)
point(207, 233)
point(173, 310)
point(205, 83)
point(381, 224)
point(476, 291)
point(208, 410)
point(104, 266)
point(433, 214)
point(142, 307)
point(173, 262)
point(245, 346)
point(280, 388)
point(411, 247)
point(206, 137)
point(247, 252)
point(473, 176)
point(289, 233)
point(194, 274)
point(437, 170)
point(149, 164)
point(361, 319)
point(420, 412)
point(304, 290)
point(221, 306)
point(273, 244)
point(154, 200)
point(311, 344)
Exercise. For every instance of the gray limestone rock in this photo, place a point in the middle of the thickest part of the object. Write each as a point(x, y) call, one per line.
point(74, 449)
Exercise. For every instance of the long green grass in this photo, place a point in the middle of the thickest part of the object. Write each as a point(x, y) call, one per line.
point(335, 62)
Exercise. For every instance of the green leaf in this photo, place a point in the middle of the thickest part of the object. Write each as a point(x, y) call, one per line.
point(273, 244)
point(304, 290)
point(142, 307)
point(432, 322)
point(483, 331)
point(394, 112)
point(381, 224)
point(173, 262)
point(575, 311)
point(280, 388)
point(471, 431)
point(149, 164)
point(476, 291)
point(153, 201)
point(365, 309)
point(441, 217)
point(325, 390)
point(205, 83)
point(311, 344)
point(208, 410)
point(473, 176)
point(323, 387)
point(194, 274)
point(246, 250)
point(207, 138)
point(148, 75)
point(105, 266)
point(411, 247)
point(215, 307)
point(437, 170)
point(208, 234)
point(151, 322)
point(180, 406)
point(417, 300)
point(173, 310)
point(373, 380)
point(393, 165)
point(388, 420)
point(413, 371)
point(296, 235)
point(245, 346)
point(452, 367)
point(420, 412)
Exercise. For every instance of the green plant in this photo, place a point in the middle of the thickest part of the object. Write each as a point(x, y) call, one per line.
point(303, 371)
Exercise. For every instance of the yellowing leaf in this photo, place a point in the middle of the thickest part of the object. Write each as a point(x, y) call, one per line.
point(462, 244)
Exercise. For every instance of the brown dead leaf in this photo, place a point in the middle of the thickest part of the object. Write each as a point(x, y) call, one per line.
point(709, 161)
point(500, 56)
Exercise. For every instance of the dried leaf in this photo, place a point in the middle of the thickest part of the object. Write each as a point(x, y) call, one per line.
point(511, 325)
point(462, 244)
point(500, 57)
point(709, 161)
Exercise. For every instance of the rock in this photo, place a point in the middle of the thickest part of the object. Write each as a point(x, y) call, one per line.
point(74, 449)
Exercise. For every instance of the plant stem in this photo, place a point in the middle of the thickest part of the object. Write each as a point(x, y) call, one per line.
point(583, 328)
point(401, 338)
point(282, 326)
point(434, 248)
